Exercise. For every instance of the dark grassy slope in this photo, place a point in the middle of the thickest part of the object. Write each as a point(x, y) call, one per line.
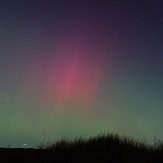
point(106, 148)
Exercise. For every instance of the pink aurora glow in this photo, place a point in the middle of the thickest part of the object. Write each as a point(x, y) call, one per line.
point(74, 72)
point(73, 79)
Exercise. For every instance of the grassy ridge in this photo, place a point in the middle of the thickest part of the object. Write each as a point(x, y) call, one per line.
point(104, 148)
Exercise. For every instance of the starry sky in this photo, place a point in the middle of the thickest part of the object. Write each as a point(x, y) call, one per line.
point(80, 68)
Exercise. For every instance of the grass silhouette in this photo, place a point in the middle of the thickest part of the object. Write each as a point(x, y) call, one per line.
point(110, 148)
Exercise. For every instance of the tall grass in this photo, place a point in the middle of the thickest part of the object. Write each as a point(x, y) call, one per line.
point(109, 139)
point(109, 148)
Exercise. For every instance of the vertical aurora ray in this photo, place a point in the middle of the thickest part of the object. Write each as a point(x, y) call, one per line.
point(74, 73)
point(77, 81)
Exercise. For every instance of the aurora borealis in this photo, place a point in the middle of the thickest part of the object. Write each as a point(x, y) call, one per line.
point(79, 68)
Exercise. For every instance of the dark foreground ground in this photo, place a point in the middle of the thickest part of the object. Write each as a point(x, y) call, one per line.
point(107, 148)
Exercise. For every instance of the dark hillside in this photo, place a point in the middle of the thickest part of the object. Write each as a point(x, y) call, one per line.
point(106, 148)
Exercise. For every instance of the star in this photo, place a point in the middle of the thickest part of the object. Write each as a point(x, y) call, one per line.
point(6, 100)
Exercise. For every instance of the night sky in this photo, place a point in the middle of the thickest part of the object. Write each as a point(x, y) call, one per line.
point(80, 68)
